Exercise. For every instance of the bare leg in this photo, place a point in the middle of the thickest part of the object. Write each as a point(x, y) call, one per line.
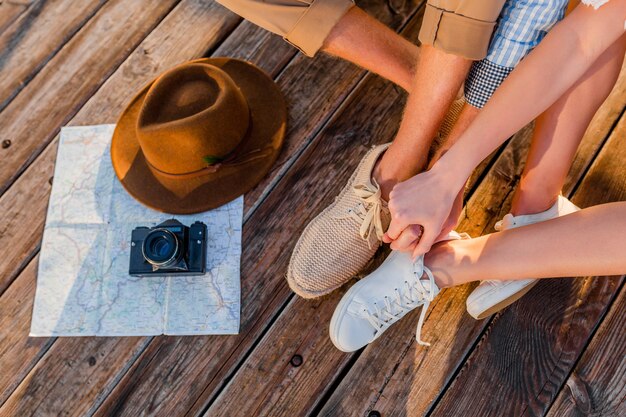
point(560, 129)
point(432, 78)
point(589, 242)
point(438, 78)
point(364, 41)
point(557, 134)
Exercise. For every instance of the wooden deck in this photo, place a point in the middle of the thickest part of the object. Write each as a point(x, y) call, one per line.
point(560, 351)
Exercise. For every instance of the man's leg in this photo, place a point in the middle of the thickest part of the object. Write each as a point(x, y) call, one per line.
point(453, 33)
point(558, 132)
point(344, 237)
point(438, 78)
point(337, 27)
point(366, 42)
point(523, 26)
point(452, 40)
point(588, 242)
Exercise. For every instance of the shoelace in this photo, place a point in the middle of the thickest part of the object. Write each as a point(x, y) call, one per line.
point(413, 296)
point(368, 211)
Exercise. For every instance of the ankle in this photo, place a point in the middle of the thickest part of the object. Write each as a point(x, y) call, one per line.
point(440, 260)
point(388, 174)
point(454, 262)
point(526, 206)
point(385, 181)
point(535, 194)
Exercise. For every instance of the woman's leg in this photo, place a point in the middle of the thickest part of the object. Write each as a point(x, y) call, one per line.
point(589, 242)
point(559, 130)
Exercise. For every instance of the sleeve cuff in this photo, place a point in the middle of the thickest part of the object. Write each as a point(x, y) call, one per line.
point(483, 80)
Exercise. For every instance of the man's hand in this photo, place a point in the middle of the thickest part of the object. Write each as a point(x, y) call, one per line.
point(420, 208)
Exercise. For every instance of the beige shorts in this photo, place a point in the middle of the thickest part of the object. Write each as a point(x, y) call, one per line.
point(461, 27)
point(303, 23)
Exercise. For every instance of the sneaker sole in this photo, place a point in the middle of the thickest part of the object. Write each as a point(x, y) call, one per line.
point(504, 303)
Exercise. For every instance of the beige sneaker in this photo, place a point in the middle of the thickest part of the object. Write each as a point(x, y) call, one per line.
point(343, 238)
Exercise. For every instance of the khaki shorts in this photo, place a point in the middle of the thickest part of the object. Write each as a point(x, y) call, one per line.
point(303, 23)
point(460, 27)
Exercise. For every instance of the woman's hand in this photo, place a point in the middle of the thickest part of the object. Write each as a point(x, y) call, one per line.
point(420, 207)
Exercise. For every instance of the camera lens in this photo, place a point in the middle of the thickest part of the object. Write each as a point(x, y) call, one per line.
point(161, 248)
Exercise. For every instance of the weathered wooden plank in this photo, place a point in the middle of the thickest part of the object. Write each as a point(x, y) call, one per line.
point(156, 53)
point(193, 373)
point(70, 393)
point(298, 331)
point(145, 376)
point(408, 378)
point(271, 63)
point(530, 364)
point(35, 37)
point(18, 354)
point(597, 386)
point(11, 10)
point(65, 84)
point(70, 78)
point(251, 43)
point(271, 53)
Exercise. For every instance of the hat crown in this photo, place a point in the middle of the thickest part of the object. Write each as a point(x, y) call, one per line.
point(193, 115)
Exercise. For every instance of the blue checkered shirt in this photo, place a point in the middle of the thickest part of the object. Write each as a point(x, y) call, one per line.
point(521, 26)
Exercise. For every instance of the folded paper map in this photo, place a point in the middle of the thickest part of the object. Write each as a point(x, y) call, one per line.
point(83, 285)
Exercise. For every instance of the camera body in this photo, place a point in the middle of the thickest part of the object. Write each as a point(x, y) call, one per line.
point(170, 248)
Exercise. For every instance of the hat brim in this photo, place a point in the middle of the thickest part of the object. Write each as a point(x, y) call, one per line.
point(211, 189)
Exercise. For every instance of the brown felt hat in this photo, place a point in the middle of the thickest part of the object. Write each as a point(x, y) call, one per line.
point(199, 135)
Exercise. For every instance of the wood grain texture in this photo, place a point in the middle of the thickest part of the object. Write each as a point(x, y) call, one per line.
point(260, 302)
point(33, 117)
point(409, 378)
point(58, 91)
point(530, 364)
point(156, 53)
point(35, 37)
point(10, 11)
point(597, 386)
point(18, 352)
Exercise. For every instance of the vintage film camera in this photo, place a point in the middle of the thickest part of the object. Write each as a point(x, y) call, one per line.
point(170, 248)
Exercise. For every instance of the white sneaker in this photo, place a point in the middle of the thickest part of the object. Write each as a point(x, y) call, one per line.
point(492, 296)
point(382, 298)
